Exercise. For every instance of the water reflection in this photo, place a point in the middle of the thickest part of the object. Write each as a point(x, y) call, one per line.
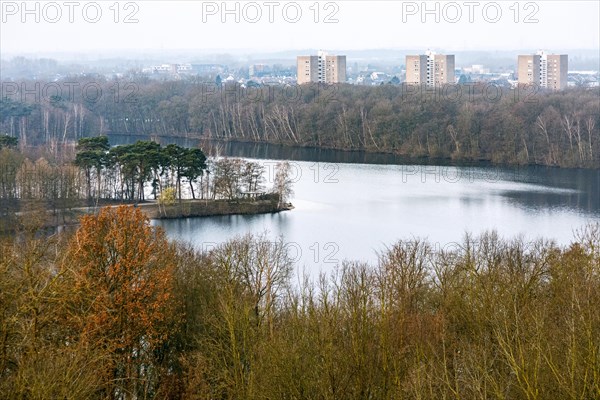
point(373, 200)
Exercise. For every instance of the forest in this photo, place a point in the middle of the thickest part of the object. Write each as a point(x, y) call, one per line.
point(116, 311)
point(460, 122)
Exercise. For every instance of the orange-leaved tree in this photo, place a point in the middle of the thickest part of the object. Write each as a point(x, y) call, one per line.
point(123, 276)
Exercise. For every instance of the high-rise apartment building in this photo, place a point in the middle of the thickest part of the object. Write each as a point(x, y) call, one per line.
point(557, 71)
point(430, 69)
point(529, 69)
point(322, 68)
point(416, 69)
point(549, 71)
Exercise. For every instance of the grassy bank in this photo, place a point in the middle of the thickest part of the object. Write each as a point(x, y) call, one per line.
point(206, 208)
point(22, 215)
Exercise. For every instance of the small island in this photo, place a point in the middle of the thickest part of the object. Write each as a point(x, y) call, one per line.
point(163, 181)
point(265, 204)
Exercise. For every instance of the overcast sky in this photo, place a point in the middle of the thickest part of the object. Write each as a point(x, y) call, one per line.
point(101, 26)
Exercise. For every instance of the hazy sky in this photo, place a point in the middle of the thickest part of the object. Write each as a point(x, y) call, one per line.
point(66, 26)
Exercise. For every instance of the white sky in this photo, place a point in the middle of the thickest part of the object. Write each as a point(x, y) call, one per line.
point(162, 24)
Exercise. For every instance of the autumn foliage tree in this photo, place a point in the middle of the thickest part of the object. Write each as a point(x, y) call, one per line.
point(122, 271)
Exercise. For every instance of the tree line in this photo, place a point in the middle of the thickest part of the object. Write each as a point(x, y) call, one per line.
point(468, 122)
point(125, 170)
point(93, 172)
point(116, 311)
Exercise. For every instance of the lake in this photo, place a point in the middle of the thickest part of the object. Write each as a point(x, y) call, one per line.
point(350, 206)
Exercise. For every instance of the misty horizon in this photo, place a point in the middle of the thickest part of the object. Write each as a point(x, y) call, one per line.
point(43, 27)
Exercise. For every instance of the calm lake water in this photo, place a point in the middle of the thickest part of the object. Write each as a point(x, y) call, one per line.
point(352, 205)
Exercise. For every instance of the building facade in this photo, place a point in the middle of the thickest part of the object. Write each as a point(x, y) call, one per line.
point(549, 71)
point(430, 69)
point(416, 69)
point(322, 68)
point(528, 69)
point(557, 68)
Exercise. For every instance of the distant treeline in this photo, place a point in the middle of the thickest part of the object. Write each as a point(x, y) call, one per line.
point(115, 311)
point(469, 122)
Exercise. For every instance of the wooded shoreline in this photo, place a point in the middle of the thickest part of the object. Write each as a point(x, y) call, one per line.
point(404, 158)
point(518, 128)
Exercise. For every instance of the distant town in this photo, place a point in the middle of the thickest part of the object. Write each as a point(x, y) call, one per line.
point(543, 68)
